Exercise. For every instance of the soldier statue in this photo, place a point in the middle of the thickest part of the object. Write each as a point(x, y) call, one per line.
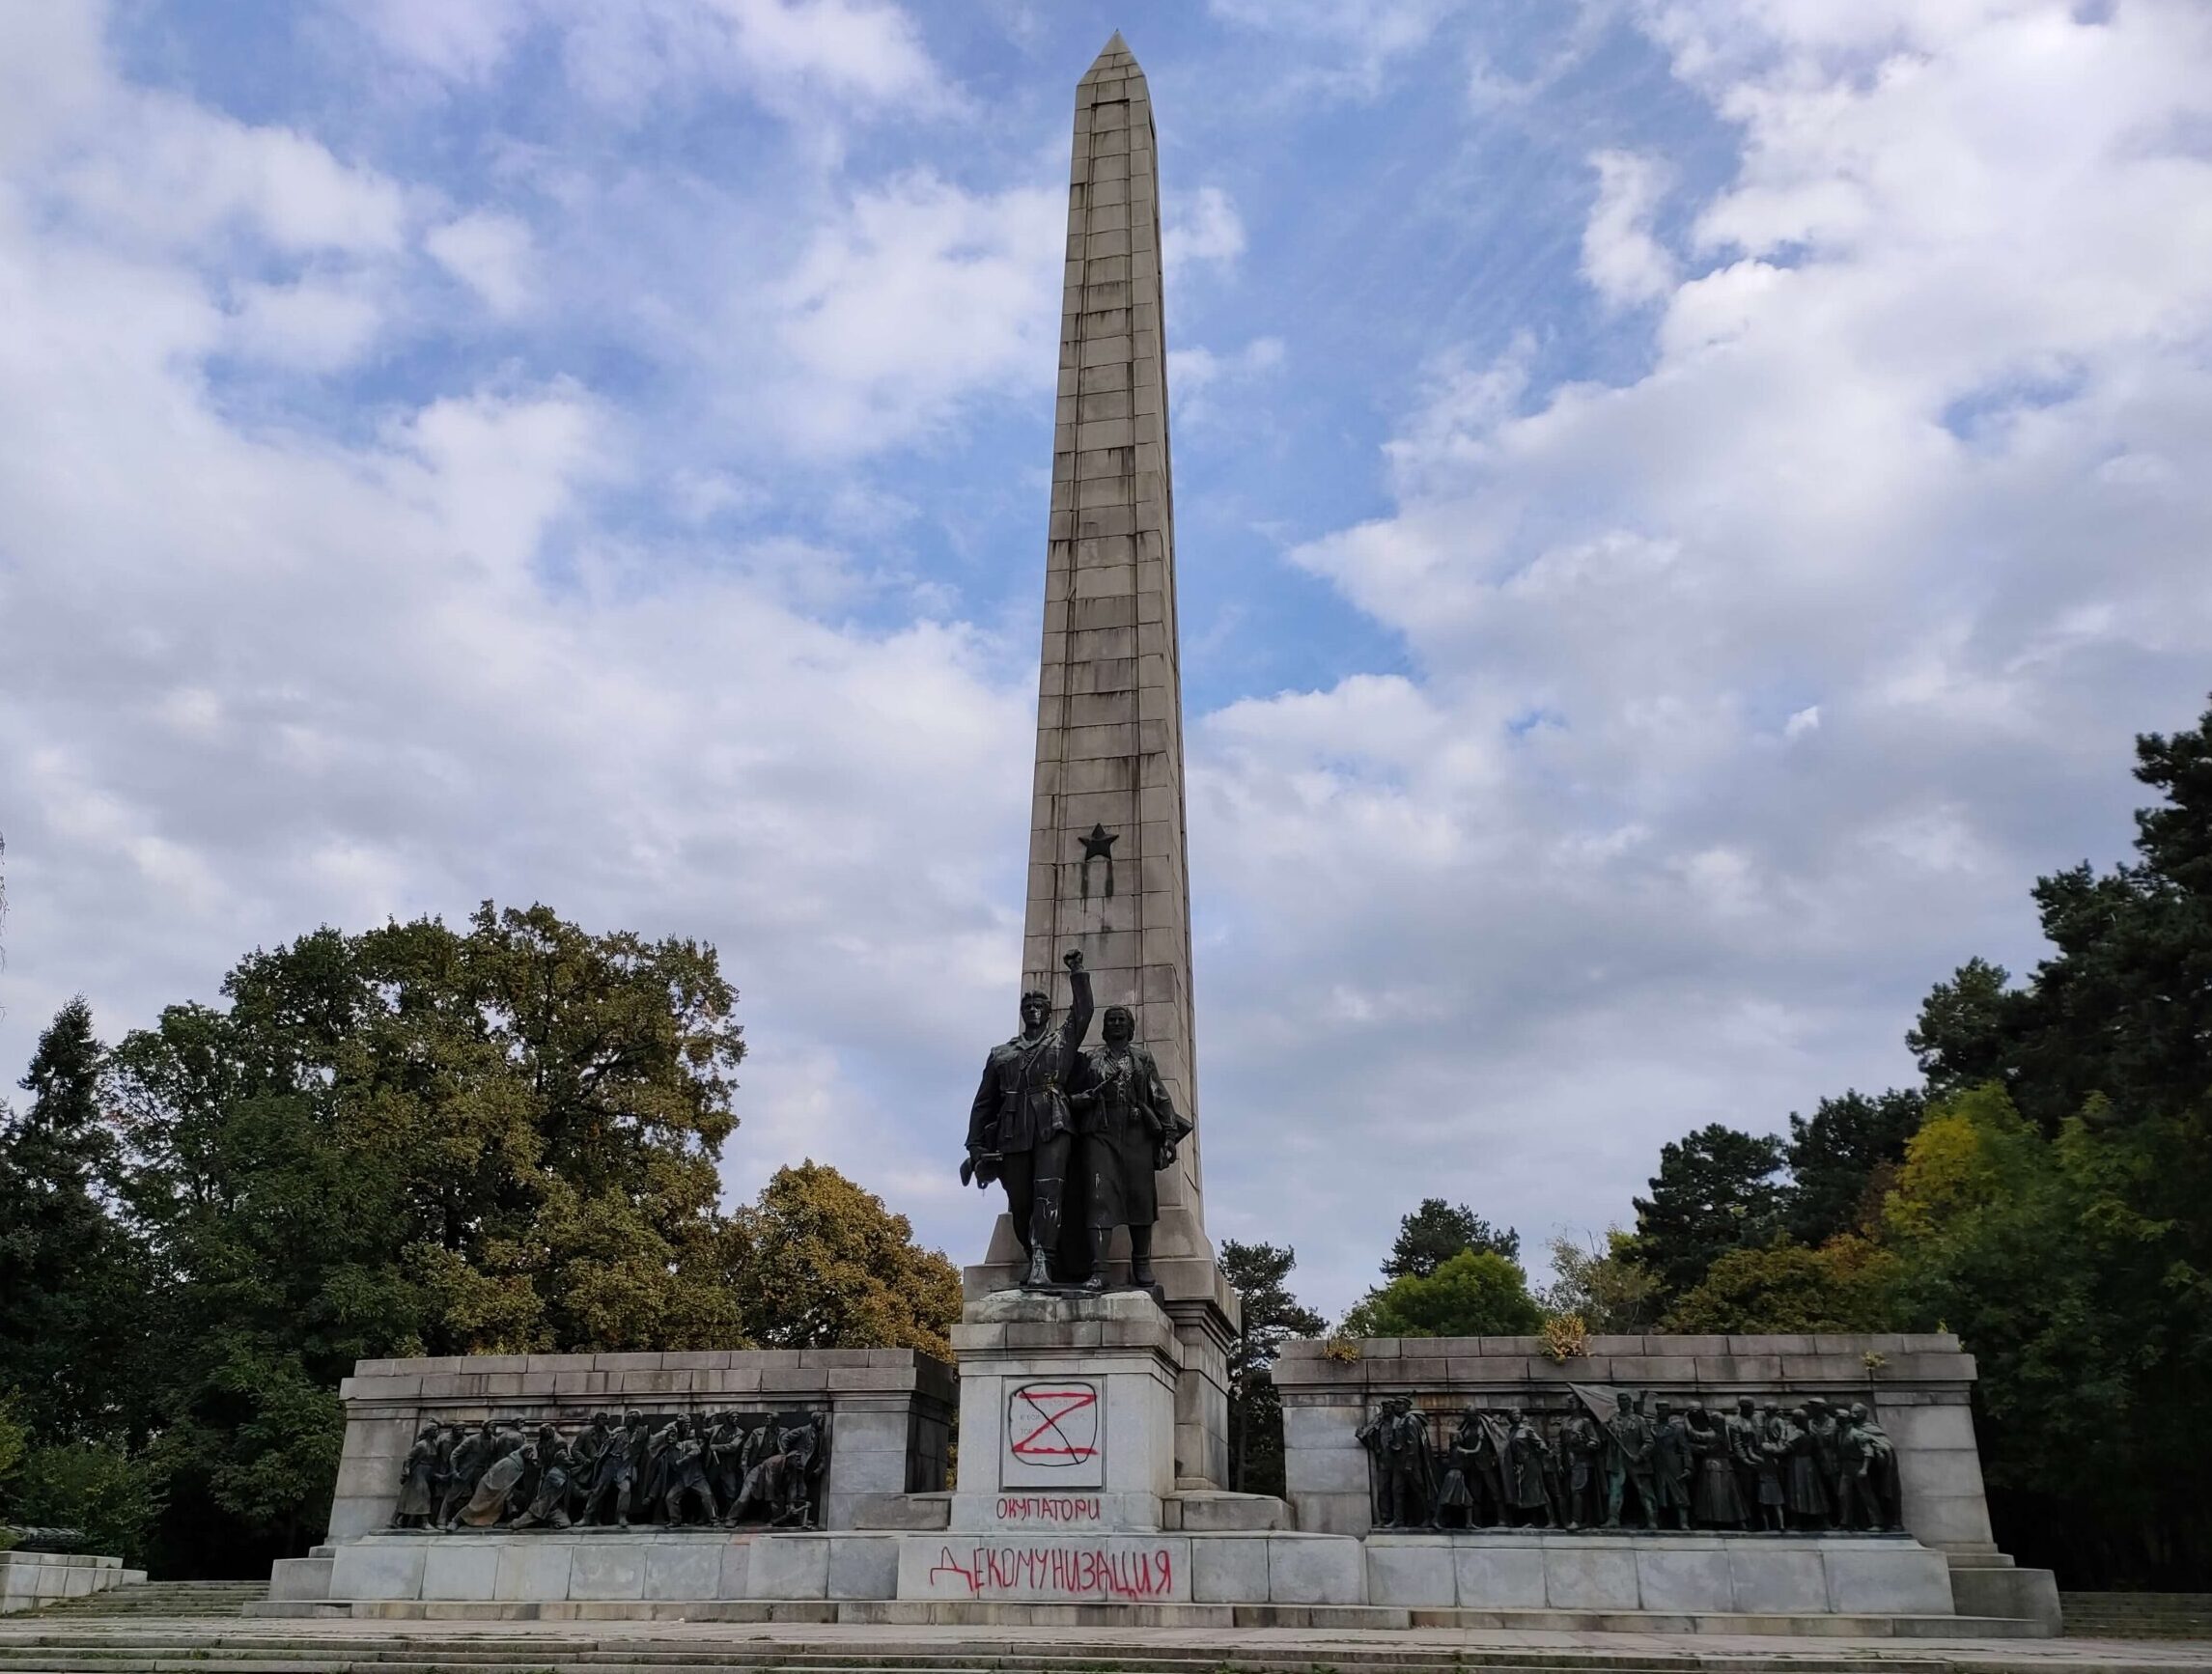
point(419, 1482)
point(1628, 1463)
point(1127, 1130)
point(471, 1457)
point(1583, 1470)
point(1019, 1128)
point(1398, 1438)
point(1881, 1469)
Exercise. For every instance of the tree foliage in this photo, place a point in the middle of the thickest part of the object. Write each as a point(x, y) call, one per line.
point(1608, 1288)
point(1843, 1160)
point(1475, 1294)
point(1843, 1285)
point(1437, 1231)
point(423, 1139)
point(1715, 1191)
point(1260, 1274)
point(817, 1263)
point(2051, 1201)
point(71, 1279)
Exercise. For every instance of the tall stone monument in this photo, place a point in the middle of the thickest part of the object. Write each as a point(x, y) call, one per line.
point(1106, 867)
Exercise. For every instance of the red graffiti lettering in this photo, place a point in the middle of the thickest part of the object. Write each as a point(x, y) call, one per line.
point(1069, 1572)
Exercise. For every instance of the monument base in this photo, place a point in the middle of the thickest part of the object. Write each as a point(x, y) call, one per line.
point(1528, 1580)
point(1067, 1413)
point(31, 1580)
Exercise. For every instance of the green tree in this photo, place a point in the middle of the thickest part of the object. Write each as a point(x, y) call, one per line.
point(1960, 1038)
point(818, 1263)
point(1608, 1288)
point(1843, 1285)
point(1437, 1231)
point(416, 1140)
point(1843, 1161)
point(1475, 1294)
point(94, 1487)
point(70, 1284)
point(1716, 1191)
point(2000, 1235)
point(1260, 1274)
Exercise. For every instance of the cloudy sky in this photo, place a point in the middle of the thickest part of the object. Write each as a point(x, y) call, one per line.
point(1684, 504)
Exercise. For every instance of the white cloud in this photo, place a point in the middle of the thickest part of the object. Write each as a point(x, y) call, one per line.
point(1355, 43)
point(489, 252)
point(789, 53)
point(1862, 505)
point(1740, 700)
point(918, 295)
point(264, 675)
point(1203, 227)
point(1197, 376)
point(1620, 257)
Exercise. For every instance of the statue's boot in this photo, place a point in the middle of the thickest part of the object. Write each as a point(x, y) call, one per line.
point(1140, 1255)
point(1096, 1282)
point(1044, 1234)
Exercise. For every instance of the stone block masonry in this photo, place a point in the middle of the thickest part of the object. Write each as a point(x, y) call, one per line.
point(1918, 1387)
point(1108, 871)
point(890, 1425)
point(31, 1580)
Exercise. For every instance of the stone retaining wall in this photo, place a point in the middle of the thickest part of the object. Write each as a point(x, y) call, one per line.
point(1919, 1386)
point(891, 1411)
point(29, 1579)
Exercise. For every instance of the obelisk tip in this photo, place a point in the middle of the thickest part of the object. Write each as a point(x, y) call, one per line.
point(1113, 55)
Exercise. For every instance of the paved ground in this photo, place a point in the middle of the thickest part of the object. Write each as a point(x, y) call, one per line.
point(153, 1642)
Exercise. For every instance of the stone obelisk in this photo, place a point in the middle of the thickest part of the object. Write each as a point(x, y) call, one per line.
point(1107, 868)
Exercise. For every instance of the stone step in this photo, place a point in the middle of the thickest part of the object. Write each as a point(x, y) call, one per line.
point(2138, 1615)
point(125, 1651)
point(162, 1598)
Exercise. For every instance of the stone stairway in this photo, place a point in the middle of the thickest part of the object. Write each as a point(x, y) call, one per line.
point(162, 1598)
point(2138, 1615)
point(174, 1647)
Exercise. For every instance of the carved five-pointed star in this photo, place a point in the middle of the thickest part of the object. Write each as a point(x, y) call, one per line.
point(1099, 844)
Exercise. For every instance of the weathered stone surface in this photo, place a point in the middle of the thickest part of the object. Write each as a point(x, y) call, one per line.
point(533, 1569)
point(1413, 1570)
point(902, 1511)
point(1695, 1579)
point(1591, 1576)
point(1918, 1386)
point(460, 1569)
point(789, 1566)
point(684, 1569)
point(1892, 1577)
point(1209, 1513)
point(1777, 1580)
point(1120, 1569)
point(29, 1579)
point(864, 1567)
point(1110, 744)
point(890, 1412)
point(306, 1578)
point(1496, 1576)
point(1228, 1571)
point(1308, 1568)
point(378, 1570)
point(615, 1570)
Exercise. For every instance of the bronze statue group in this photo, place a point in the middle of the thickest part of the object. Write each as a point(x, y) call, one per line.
point(688, 1468)
point(1807, 1469)
point(1077, 1137)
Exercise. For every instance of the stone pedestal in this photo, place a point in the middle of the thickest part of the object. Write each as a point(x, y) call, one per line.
point(1067, 1414)
point(30, 1580)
